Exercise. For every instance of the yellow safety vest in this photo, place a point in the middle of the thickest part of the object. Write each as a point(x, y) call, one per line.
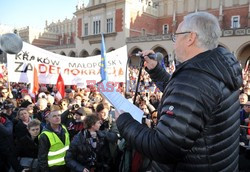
point(57, 149)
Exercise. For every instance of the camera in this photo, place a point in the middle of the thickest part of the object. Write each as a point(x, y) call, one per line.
point(75, 107)
point(92, 160)
point(6, 105)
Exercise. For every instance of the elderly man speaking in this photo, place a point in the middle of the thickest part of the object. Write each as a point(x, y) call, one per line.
point(198, 127)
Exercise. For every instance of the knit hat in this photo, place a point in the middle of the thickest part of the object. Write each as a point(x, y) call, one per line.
point(42, 95)
point(25, 104)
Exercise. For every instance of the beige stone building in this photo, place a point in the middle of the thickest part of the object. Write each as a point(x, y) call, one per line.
point(146, 24)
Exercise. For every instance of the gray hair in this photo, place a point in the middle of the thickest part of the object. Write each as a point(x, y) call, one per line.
point(206, 26)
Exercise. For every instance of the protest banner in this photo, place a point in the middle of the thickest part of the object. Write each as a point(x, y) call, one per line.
point(74, 70)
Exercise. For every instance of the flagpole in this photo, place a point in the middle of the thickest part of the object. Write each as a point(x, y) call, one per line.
point(9, 90)
point(138, 79)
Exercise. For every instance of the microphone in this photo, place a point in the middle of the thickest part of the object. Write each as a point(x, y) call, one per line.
point(157, 56)
point(11, 43)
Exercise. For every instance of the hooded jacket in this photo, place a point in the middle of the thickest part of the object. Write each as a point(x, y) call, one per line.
point(198, 127)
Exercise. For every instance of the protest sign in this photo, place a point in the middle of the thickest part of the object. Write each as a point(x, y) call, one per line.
point(74, 70)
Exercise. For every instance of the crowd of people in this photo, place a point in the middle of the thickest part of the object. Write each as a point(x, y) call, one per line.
point(81, 126)
point(192, 117)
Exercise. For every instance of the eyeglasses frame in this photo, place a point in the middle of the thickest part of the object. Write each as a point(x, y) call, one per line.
point(173, 36)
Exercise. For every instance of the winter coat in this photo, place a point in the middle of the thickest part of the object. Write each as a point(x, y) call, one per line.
point(43, 149)
point(82, 155)
point(7, 149)
point(20, 130)
point(26, 147)
point(198, 127)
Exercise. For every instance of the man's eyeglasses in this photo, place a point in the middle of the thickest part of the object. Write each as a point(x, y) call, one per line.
point(173, 36)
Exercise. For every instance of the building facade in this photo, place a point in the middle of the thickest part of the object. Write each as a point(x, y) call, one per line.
point(146, 24)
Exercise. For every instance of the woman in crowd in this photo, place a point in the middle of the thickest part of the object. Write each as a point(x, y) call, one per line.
point(20, 129)
point(89, 149)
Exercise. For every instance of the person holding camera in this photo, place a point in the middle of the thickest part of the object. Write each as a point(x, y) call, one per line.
point(88, 149)
point(9, 110)
point(69, 119)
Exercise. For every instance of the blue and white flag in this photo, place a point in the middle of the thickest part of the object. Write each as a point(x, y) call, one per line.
point(103, 61)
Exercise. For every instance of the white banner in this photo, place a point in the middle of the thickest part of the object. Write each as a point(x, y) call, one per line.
point(74, 70)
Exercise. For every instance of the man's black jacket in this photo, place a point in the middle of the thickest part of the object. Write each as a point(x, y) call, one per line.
point(198, 127)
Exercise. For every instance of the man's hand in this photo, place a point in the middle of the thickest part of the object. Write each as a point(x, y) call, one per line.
point(149, 63)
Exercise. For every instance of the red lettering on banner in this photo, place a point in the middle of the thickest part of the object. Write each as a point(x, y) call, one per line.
point(42, 68)
point(84, 72)
point(101, 88)
point(66, 71)
point(75, 72)
point(52, 69)
point(92, 71)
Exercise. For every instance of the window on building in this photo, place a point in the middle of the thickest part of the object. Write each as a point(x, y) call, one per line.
point(143, 32)
point(66, 28)
point(96, 27)
point(62, 29)
point(165, 29)
point(74, 26)
point(110, 25)
point(69, 27)
point(235, 22)
point(68, 40)
point(86, 29)
point(61, 41)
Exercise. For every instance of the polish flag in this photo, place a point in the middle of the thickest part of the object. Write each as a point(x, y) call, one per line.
point(34, 87)
point(60, 87)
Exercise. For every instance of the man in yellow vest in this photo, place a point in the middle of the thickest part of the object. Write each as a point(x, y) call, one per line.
point(53, 143)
